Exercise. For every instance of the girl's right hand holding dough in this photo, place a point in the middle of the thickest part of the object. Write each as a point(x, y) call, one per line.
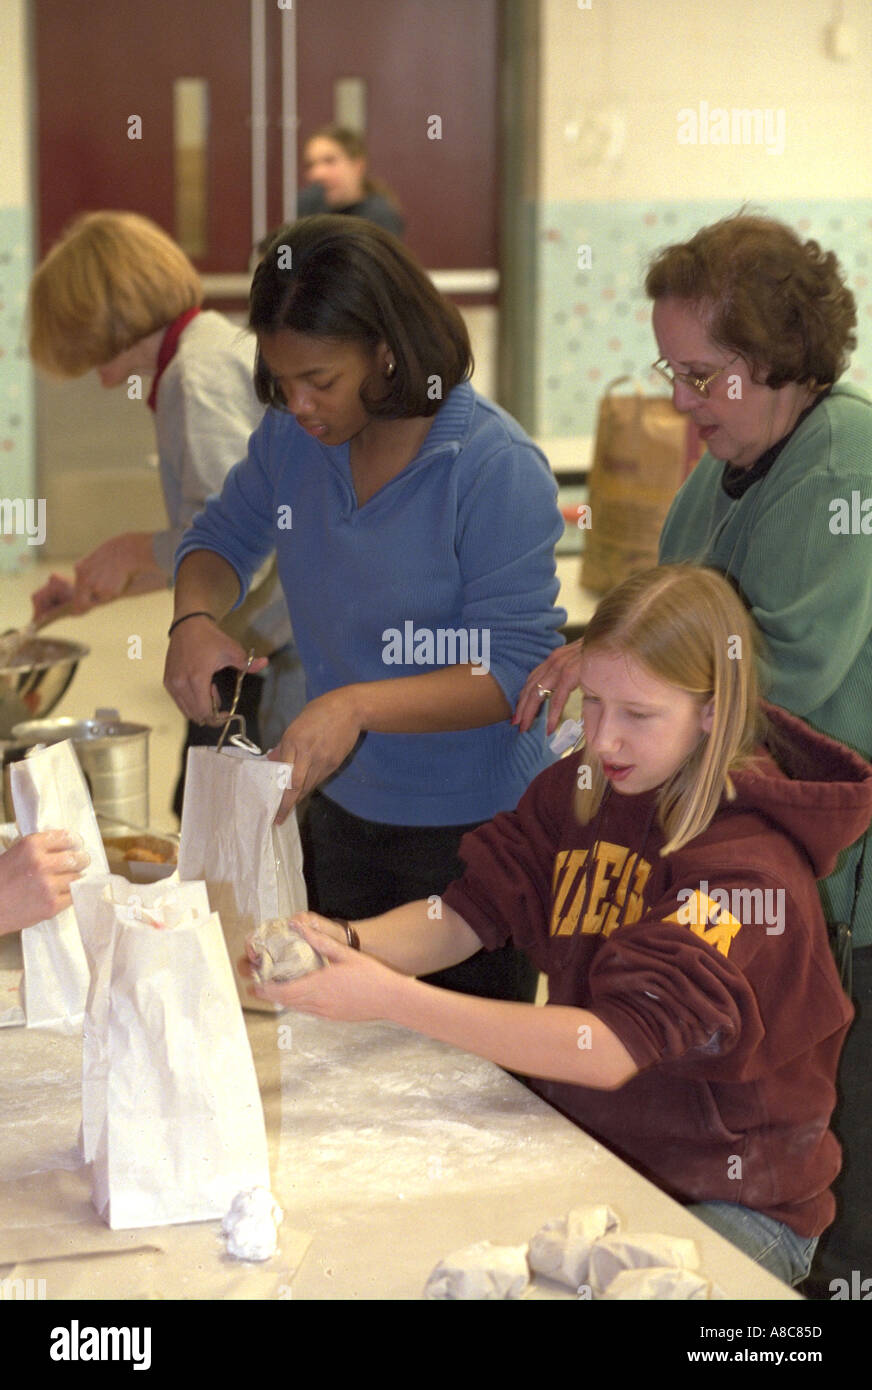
point(198, 648)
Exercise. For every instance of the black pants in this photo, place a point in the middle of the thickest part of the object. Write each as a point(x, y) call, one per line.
point(207, 735)
point(358, 868)
point(847, 1245)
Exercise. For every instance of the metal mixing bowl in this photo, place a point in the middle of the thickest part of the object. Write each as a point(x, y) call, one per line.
point(33, 686)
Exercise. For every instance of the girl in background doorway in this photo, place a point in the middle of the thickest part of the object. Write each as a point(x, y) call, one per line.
point(335, 165)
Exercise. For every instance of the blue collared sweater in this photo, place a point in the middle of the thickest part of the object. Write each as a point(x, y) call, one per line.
point(461, 541)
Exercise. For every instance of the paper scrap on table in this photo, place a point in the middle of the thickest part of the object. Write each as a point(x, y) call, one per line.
point(251, 1225)
point(482, 1271)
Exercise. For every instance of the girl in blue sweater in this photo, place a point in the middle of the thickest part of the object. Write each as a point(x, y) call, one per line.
point(414, 525)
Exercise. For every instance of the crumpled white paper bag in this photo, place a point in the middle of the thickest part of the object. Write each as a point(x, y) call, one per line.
point(49, 792)
point(174, 1118)
point(253, 868)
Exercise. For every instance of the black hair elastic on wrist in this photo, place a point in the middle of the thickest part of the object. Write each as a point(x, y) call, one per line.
point(200, 613)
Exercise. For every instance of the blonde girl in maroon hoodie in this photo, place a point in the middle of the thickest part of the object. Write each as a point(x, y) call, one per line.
point(664, 881)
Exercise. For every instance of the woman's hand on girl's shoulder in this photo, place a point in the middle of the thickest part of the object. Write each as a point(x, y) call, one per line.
point(558, 675)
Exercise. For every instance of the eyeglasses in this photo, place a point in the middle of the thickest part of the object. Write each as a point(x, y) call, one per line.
point(700, 384)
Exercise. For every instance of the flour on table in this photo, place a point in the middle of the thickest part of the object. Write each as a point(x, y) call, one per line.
point(482, 1271)
point(251, 1225)
point(284, 953)
point(561, 1248)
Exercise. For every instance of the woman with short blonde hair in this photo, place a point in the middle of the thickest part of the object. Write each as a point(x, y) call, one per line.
point(117, 294)
point(111, 280)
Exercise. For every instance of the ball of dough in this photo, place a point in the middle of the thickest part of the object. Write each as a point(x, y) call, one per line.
point(482, 1271)
point(610, 1255)
point(284, 953)
point(561, 1248)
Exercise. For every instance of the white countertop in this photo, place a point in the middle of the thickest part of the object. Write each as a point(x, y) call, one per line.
point(387, 1151)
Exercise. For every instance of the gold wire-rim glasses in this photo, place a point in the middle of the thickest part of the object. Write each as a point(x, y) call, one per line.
point(700, 384)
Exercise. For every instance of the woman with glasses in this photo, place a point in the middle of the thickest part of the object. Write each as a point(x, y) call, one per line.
point(755, 328)
point(414, 524)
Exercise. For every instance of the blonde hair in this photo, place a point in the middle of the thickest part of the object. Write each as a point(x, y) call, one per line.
point(686, 626)
point(112, 279)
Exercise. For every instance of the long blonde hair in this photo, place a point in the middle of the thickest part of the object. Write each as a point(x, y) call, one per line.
point(686, 626)
point(112, 279)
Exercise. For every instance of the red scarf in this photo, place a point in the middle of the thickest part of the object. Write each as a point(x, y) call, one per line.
point(167, 350)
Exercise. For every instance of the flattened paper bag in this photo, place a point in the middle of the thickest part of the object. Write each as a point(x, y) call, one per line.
point(94, 903)
point(50, 793)
point(174, 1113)
point(253, 868)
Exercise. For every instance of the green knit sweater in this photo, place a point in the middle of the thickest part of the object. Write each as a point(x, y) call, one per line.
point(796, 546)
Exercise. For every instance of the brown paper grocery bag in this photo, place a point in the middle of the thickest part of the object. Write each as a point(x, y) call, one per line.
point(643, 452)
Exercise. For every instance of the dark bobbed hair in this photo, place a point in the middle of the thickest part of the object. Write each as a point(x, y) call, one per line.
point(780, 303)
point(351, 281)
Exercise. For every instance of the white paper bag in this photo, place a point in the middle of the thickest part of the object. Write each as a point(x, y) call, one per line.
point(181, 1127)
point(49, 792)
point(94, 903)
point(253, 868)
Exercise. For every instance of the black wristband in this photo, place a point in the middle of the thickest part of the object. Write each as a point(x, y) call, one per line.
point(200, 613)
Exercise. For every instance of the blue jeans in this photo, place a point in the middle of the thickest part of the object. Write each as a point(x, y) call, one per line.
point(768, 1242)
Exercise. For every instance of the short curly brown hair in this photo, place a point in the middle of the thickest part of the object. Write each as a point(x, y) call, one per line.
point(777, 301)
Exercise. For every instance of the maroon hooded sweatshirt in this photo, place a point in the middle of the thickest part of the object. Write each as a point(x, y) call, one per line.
point(712, 966)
